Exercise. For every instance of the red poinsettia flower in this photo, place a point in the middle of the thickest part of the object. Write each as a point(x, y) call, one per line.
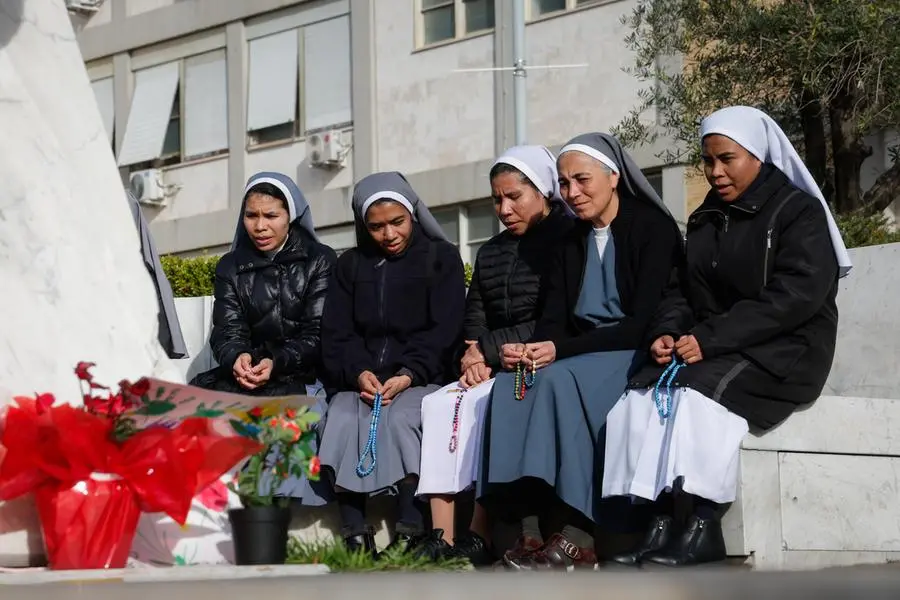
point(256, 412)
point(44, 402)
point(83, 371)
point(293, 427)
point(214, 496)
point(315, 465)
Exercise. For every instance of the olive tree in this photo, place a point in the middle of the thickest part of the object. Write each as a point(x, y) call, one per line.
point(827, 70)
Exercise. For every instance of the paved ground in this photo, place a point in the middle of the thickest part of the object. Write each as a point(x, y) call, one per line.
point(714, 584)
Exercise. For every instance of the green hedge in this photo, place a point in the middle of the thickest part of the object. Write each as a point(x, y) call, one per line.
point(192, 277)
point(866, 230)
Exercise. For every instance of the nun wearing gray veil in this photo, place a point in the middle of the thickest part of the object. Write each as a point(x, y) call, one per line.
point(392, 321)
point(546, 422)
point(269, 295)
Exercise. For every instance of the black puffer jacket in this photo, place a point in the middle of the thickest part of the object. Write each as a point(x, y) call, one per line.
point(272, 307)
point(758, 292)
point(502, 303)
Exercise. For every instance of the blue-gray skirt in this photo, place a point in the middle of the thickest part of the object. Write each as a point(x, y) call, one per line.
point(556, 434)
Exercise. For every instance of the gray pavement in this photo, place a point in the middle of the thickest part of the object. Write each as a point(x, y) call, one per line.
point(225, 584)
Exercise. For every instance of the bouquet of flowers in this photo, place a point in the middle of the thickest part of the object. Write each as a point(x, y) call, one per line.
point(93, 471)
point(286, 451)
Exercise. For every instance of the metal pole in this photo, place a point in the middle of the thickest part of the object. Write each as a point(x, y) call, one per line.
point(519, 73)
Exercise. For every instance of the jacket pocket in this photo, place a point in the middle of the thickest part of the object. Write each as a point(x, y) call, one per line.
point(779, 356)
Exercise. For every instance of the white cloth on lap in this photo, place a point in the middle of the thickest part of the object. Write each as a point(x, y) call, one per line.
point(442, 471)
point(700, 442)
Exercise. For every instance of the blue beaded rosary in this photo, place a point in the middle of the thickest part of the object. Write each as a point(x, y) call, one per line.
point(361, 469)
point(668, 376)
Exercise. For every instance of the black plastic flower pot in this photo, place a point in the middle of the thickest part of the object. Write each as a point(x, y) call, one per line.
point(260, 534)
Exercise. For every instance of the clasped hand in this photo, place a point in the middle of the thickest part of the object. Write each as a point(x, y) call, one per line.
point(535, 354)
point(687, 348)
point(248, 376)
point(369, 386)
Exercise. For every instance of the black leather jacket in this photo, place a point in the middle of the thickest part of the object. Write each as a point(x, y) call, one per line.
point(272, 307)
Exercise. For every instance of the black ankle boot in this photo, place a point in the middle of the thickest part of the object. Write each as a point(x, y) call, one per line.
point(432, 546)
point(361, 542)
point(701, 542)
point(658, 535)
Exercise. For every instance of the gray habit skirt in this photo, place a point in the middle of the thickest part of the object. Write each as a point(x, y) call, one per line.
point(398, 446)
point(556, 434)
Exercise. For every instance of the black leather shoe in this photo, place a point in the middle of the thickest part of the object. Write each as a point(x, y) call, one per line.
point(474, 548)
point(701, 542)
point(361, 542)
point(658, 535)
point(432, 546)
point(403, 542)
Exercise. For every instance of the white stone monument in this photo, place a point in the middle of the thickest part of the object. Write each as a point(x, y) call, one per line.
point(74, 286)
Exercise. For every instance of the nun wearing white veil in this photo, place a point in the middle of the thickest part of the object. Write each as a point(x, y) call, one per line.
point(744, 337)
point(545, 422)
point(501, 311)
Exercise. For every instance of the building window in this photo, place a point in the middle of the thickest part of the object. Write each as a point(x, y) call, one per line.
point(539, 8)
point(286, 101)
point(469, 226)
point(656, 181)
point(179, 111)
point(442, 20)
point(103, 93)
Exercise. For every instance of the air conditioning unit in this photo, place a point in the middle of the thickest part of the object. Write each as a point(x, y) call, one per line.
point(84, 6)
point(148, 188)
point(324, 149)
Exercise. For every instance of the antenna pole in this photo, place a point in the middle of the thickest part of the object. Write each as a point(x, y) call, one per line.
point(519, 72)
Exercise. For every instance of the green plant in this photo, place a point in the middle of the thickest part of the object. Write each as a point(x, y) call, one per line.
point(287, 451)
point(338, 558)
point(190, 277)
point(468, 271)
point(859, 229)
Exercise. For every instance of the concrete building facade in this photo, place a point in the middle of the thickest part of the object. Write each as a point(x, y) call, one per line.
point(207, 92)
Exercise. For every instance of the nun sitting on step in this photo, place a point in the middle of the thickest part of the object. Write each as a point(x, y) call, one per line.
point(546, 419)
point(269, 294)
point(745, 335)
point(392, 321)
point(501, 309)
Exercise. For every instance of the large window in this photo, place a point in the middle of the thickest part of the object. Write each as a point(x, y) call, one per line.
point(442, 20)
point(299, 81)
point(103, 92)
point(179, 111)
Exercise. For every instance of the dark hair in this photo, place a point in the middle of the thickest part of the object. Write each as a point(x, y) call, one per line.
point(501, 168)
point(268, 189)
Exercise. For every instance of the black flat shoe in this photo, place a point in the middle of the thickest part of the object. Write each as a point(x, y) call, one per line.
point(473, 548)
point(702, 542)
point(361, 542)
point(658, 535)
point(432, 546)
point(403, 542)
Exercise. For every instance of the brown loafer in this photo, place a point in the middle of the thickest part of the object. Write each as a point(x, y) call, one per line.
point(524, 548)
point(558, 554)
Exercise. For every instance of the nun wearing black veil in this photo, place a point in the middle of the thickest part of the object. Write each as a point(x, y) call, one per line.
point(269, 295)
point(546, 421)
point(392, 321)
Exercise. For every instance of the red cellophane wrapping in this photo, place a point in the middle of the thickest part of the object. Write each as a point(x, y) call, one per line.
point(90, 490)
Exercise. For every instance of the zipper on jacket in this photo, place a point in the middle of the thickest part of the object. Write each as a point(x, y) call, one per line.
point(383, 268)
point(769, 233)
